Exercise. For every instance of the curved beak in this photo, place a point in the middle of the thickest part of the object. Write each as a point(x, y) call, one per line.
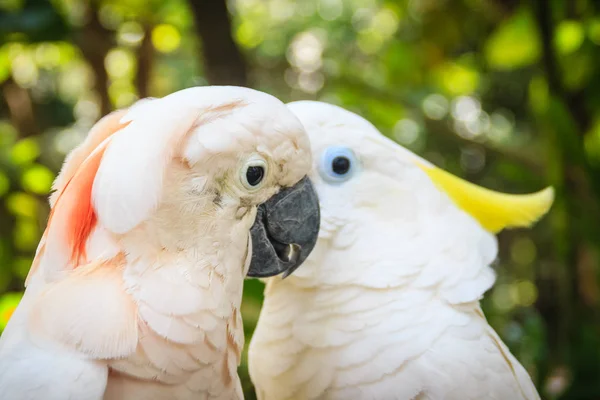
point(285, 231)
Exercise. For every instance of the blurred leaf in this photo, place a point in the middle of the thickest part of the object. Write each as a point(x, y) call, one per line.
point(37, 179)
point(8, 134)
point(67, 53)
point(569, 36)
point(5, 67)
point(21, 266)
point(130, 33)
point(580, 69)
point(36, 21)
point(120, 63)
point(527, 293)
point(24, 69)
point(249, 34)
point(566, 129)
point(594, 30)
point(502, 297)
point(47, 55)
point(5, 279)
point(22, 204)
point(25, 151)
point(457, 78)
point(4, 184)
point(8, 304)
point(111, 15)
point(26, 235)
point(122, 92)
point(400, 61)
point(75, 80)
point(11, 5)
point(592, 143)
point(166, 38)
point(370, 41)
point(515, 43)
point(539, 94)
point(523, 251)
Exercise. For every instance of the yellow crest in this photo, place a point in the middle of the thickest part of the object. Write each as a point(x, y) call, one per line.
point(494, 210)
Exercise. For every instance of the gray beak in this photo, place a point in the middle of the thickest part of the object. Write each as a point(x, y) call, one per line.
point(285, 231)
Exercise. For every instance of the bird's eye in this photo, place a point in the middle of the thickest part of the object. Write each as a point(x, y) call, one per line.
point(253, 173)
point(337, 164)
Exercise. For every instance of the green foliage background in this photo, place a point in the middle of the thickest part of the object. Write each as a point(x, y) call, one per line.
point(504, 93)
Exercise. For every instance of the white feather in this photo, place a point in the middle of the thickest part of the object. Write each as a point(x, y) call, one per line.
point(387, 305)
point(129, 181)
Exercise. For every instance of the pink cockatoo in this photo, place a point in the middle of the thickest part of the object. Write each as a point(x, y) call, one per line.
point(157, 218)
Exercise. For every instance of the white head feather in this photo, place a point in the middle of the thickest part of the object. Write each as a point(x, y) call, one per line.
point(170, 162)
point(391, 205)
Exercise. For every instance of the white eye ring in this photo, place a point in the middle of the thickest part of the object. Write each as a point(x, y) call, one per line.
point(338, 164)
point(254, 173)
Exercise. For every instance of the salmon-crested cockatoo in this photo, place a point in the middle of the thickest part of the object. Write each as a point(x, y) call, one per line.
point(387, 305)
point(157, 218)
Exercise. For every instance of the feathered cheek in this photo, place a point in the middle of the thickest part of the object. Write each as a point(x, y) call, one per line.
point(346, 235)
point(246, 214)
point(248, 256)
point(241, 234)
point(250, 215)
point(329, 225)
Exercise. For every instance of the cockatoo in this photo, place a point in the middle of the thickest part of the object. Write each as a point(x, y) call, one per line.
point(387, 305)
point(157, 218)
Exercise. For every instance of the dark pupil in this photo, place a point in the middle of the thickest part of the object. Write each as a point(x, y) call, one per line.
point(254, 175)
point(340, 165)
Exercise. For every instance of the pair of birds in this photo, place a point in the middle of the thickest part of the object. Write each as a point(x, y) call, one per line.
point(160, 214)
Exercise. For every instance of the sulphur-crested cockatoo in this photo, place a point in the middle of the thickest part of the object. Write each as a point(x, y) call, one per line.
point(157, 218)
point(387, 305)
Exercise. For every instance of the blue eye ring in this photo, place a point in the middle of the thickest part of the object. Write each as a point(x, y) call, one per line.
point(337, 164)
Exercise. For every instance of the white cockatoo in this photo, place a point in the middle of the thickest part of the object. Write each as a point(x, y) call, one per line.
point(387, 305)
point(157, 218)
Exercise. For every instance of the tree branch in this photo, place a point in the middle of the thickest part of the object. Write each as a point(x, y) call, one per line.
point(223, 61)
point(145, 63)
point(575, 102)
point(20, 108)
point(95, 41)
